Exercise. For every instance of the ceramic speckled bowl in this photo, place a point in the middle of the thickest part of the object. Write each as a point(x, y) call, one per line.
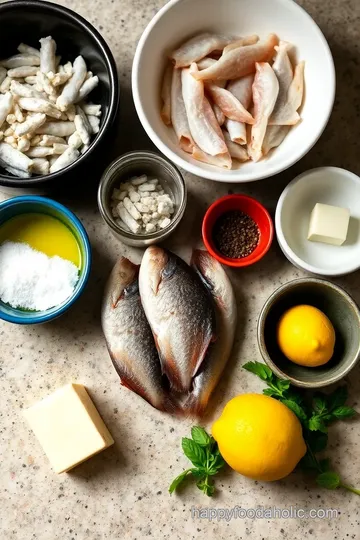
point(28, 204)
point(342, 312)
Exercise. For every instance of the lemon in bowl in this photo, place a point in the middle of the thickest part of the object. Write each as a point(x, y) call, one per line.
point(259, 437)
point(306, 336)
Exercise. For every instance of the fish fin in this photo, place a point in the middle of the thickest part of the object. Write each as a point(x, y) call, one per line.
point(168, 365)
point(194, 407)
point(163, 404)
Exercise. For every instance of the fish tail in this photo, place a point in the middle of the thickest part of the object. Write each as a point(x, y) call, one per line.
point(194, 406)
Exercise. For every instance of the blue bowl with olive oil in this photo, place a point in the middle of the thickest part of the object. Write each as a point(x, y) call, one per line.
point(50, 229)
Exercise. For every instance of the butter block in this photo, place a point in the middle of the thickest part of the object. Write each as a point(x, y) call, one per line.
point(329, 224)
point(68, 427)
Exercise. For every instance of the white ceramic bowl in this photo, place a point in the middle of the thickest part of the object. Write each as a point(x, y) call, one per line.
point(180, 19)
point(328, 185)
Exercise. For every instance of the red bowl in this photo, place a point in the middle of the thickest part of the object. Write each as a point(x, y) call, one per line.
point(252, 208)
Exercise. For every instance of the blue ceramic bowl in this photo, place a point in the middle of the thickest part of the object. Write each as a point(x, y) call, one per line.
point(34, 204)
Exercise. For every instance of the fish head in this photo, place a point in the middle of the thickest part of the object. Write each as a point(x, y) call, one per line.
point(158, 265)
point(122, 282)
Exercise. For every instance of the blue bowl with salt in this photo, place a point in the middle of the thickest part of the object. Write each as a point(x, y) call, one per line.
point(32, 204)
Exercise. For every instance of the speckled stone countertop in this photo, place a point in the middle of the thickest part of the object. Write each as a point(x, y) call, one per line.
point(122, 492)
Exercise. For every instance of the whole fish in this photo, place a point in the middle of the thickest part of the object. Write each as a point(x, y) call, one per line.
point(180, 312)
point(216, 280)
point(129, 338)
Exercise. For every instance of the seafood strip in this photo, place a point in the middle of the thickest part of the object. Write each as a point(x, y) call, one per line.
point(82, 125)
point(94, 122)
point(59, 129)
point(20, 60)
point(242, 42)
point(182, 329)
point(68, 157)
point(27, 49)
point(40, 151)
point(41, 166)
point(22, 71)
point(265, 92)
point(179, 118)
point(287, 115)
point(87, 87)
point(59, 148)
point(223, 161)
point(16, 172)
point(14, 159)
point(236, 150)
point(39, 105)
point(75, 140)
point(216, 281)
point(72, 87)
point(25, 90)
point(203, 133)
point(242, 90)
point(229, 104)
point(2, 74)
point(47, 55)
point(91, 109)
point(240, 61)
point(166, 95)
point(128, 336)
point(220, 116)
point(6, 104)
point(197, 48)
point(50, 140)
point(30, 125)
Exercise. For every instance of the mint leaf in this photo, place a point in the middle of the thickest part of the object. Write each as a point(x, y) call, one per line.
point(328, 480)
point(194, 452)
point(344, 412)
point(271, 392)
point(200, 436)
point(282, 384)
point(295, 408)
point(319, 402)
point(178, 480)
point(259, 369)
point(316, 423)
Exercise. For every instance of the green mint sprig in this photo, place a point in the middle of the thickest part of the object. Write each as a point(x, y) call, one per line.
point(315, 416)
point(203, 452)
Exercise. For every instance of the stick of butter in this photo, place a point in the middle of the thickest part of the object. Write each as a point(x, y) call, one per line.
point(329, 224)
point(68, 427)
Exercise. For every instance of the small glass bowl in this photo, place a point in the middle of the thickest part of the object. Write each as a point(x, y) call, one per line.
point(137, 164)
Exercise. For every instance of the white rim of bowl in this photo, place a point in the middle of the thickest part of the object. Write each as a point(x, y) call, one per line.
point(217, 175)
point(286, 249)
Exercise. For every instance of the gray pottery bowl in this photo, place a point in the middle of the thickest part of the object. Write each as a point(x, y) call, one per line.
point(342, 312)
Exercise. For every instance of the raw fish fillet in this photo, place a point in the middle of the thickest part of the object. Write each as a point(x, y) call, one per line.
point(202, 131)
point(240, 62)
point(198, 47)
point(178, 113)
point(220, 116)
point(229, 104)
point(287, 115)
point(274, 136)
point(242, 90)
point(242, 42)
point(236, 150)
point(284, 72)
point(265, 92)
point(223, 161)
point(166, 95)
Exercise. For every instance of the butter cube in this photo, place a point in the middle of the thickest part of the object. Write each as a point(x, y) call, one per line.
point(68, 427)
point(329, 224)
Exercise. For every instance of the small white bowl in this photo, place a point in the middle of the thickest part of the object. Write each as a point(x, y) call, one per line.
point(328, 185)
point(180, 19)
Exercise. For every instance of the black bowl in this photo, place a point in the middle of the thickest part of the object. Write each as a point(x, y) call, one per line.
point(29, 20)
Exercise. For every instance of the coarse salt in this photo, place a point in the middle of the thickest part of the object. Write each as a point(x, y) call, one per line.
point(30, 279)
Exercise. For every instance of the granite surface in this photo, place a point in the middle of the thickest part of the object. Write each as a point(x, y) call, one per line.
point(122, 493)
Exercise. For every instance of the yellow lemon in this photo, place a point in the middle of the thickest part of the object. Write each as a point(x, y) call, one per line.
point(306, 336)
point(259, 437)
